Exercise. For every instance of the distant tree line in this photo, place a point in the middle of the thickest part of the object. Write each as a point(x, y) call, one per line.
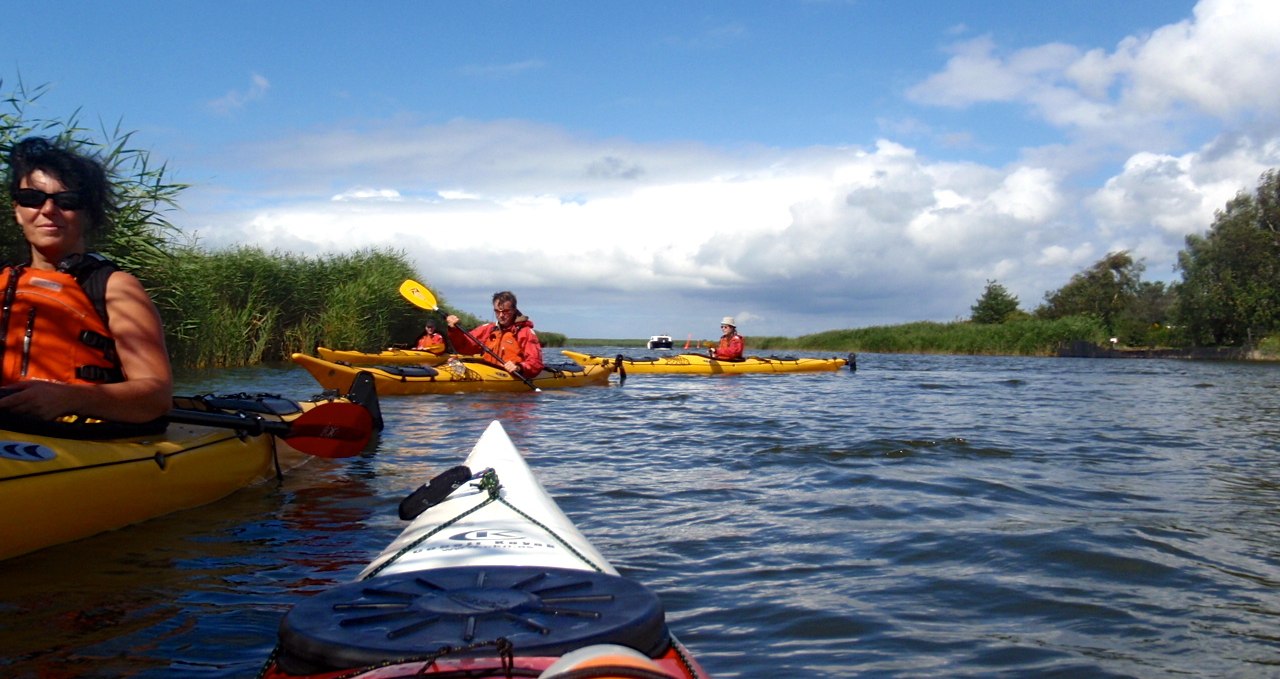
point(1229, 294)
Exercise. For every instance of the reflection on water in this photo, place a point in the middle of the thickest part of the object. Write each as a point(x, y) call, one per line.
point(924, 516)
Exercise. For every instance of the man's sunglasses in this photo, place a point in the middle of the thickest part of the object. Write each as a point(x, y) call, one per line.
point(65, 200)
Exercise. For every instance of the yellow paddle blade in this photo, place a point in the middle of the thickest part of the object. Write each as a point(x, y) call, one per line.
point(418, 294)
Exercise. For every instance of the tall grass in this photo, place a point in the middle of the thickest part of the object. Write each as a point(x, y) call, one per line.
point(244, 305)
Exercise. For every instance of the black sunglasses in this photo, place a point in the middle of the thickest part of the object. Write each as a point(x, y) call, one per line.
point(65, 200)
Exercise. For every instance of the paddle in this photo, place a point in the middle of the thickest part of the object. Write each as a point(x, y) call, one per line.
point(331, 429)
point(434, 492)
point(419, 294)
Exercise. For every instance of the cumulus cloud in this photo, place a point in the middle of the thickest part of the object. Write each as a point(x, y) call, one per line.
point(235, 100)
point(1156, 200)
point(801, 239)
point(788, 229)
point(1216, 63)
point(1219, 62)
point(362, 193)
point(976, 74)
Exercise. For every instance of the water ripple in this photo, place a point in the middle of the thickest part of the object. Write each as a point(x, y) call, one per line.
point(924, 516)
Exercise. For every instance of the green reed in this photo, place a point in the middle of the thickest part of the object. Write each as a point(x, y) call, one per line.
point(244, 305)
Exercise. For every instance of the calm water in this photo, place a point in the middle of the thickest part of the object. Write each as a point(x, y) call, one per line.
point(924, 516)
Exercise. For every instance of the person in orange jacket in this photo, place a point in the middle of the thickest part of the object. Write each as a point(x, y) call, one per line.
point(511, 338)
point(79, 336)
point(730, 347)
point(430, 340)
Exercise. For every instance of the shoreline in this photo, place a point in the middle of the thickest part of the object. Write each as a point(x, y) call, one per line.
point(1083, 349)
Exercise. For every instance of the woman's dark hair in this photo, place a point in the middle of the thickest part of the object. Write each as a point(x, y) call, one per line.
point(78, 172)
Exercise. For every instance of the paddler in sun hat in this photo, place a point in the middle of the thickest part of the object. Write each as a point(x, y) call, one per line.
point(730, 347)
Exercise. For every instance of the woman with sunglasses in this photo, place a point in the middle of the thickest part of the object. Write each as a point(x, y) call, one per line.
point(77, 335)
point(730, 347)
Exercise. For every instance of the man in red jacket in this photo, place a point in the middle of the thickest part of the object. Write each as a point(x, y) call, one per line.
point(512, 338)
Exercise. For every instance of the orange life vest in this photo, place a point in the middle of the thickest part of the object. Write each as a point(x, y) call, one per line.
point(433, 342)
point(730, 348)
point(505, 344)
point(51, 329)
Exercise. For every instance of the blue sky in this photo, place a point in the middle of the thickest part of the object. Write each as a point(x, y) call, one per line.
point(640, 168)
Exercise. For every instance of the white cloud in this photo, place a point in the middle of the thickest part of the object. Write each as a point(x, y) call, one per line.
point(1060, 256)
point(798, 233)
point(1219, 63)
point(237, 99)
point(1159, 199)
point(976, 74)
point(363, 193)
point(799, 240)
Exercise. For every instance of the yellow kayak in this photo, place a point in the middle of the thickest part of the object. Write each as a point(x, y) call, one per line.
point(386, 357)
point(61, 482)
point(700, 364)
point(460, 375)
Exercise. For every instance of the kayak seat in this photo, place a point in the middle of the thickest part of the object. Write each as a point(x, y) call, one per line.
point(409, 370)
point(542, 612)
point(266, 404)
point(604, 661)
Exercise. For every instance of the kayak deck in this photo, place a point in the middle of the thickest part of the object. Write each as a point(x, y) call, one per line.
point(701, 364)
point(391, 356)
point(489, 561)
point(64, 490)
point(59, 488)
point(465, 375)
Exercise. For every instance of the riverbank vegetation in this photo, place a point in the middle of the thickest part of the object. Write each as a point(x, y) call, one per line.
point(244, 305)
point(1023, 337)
